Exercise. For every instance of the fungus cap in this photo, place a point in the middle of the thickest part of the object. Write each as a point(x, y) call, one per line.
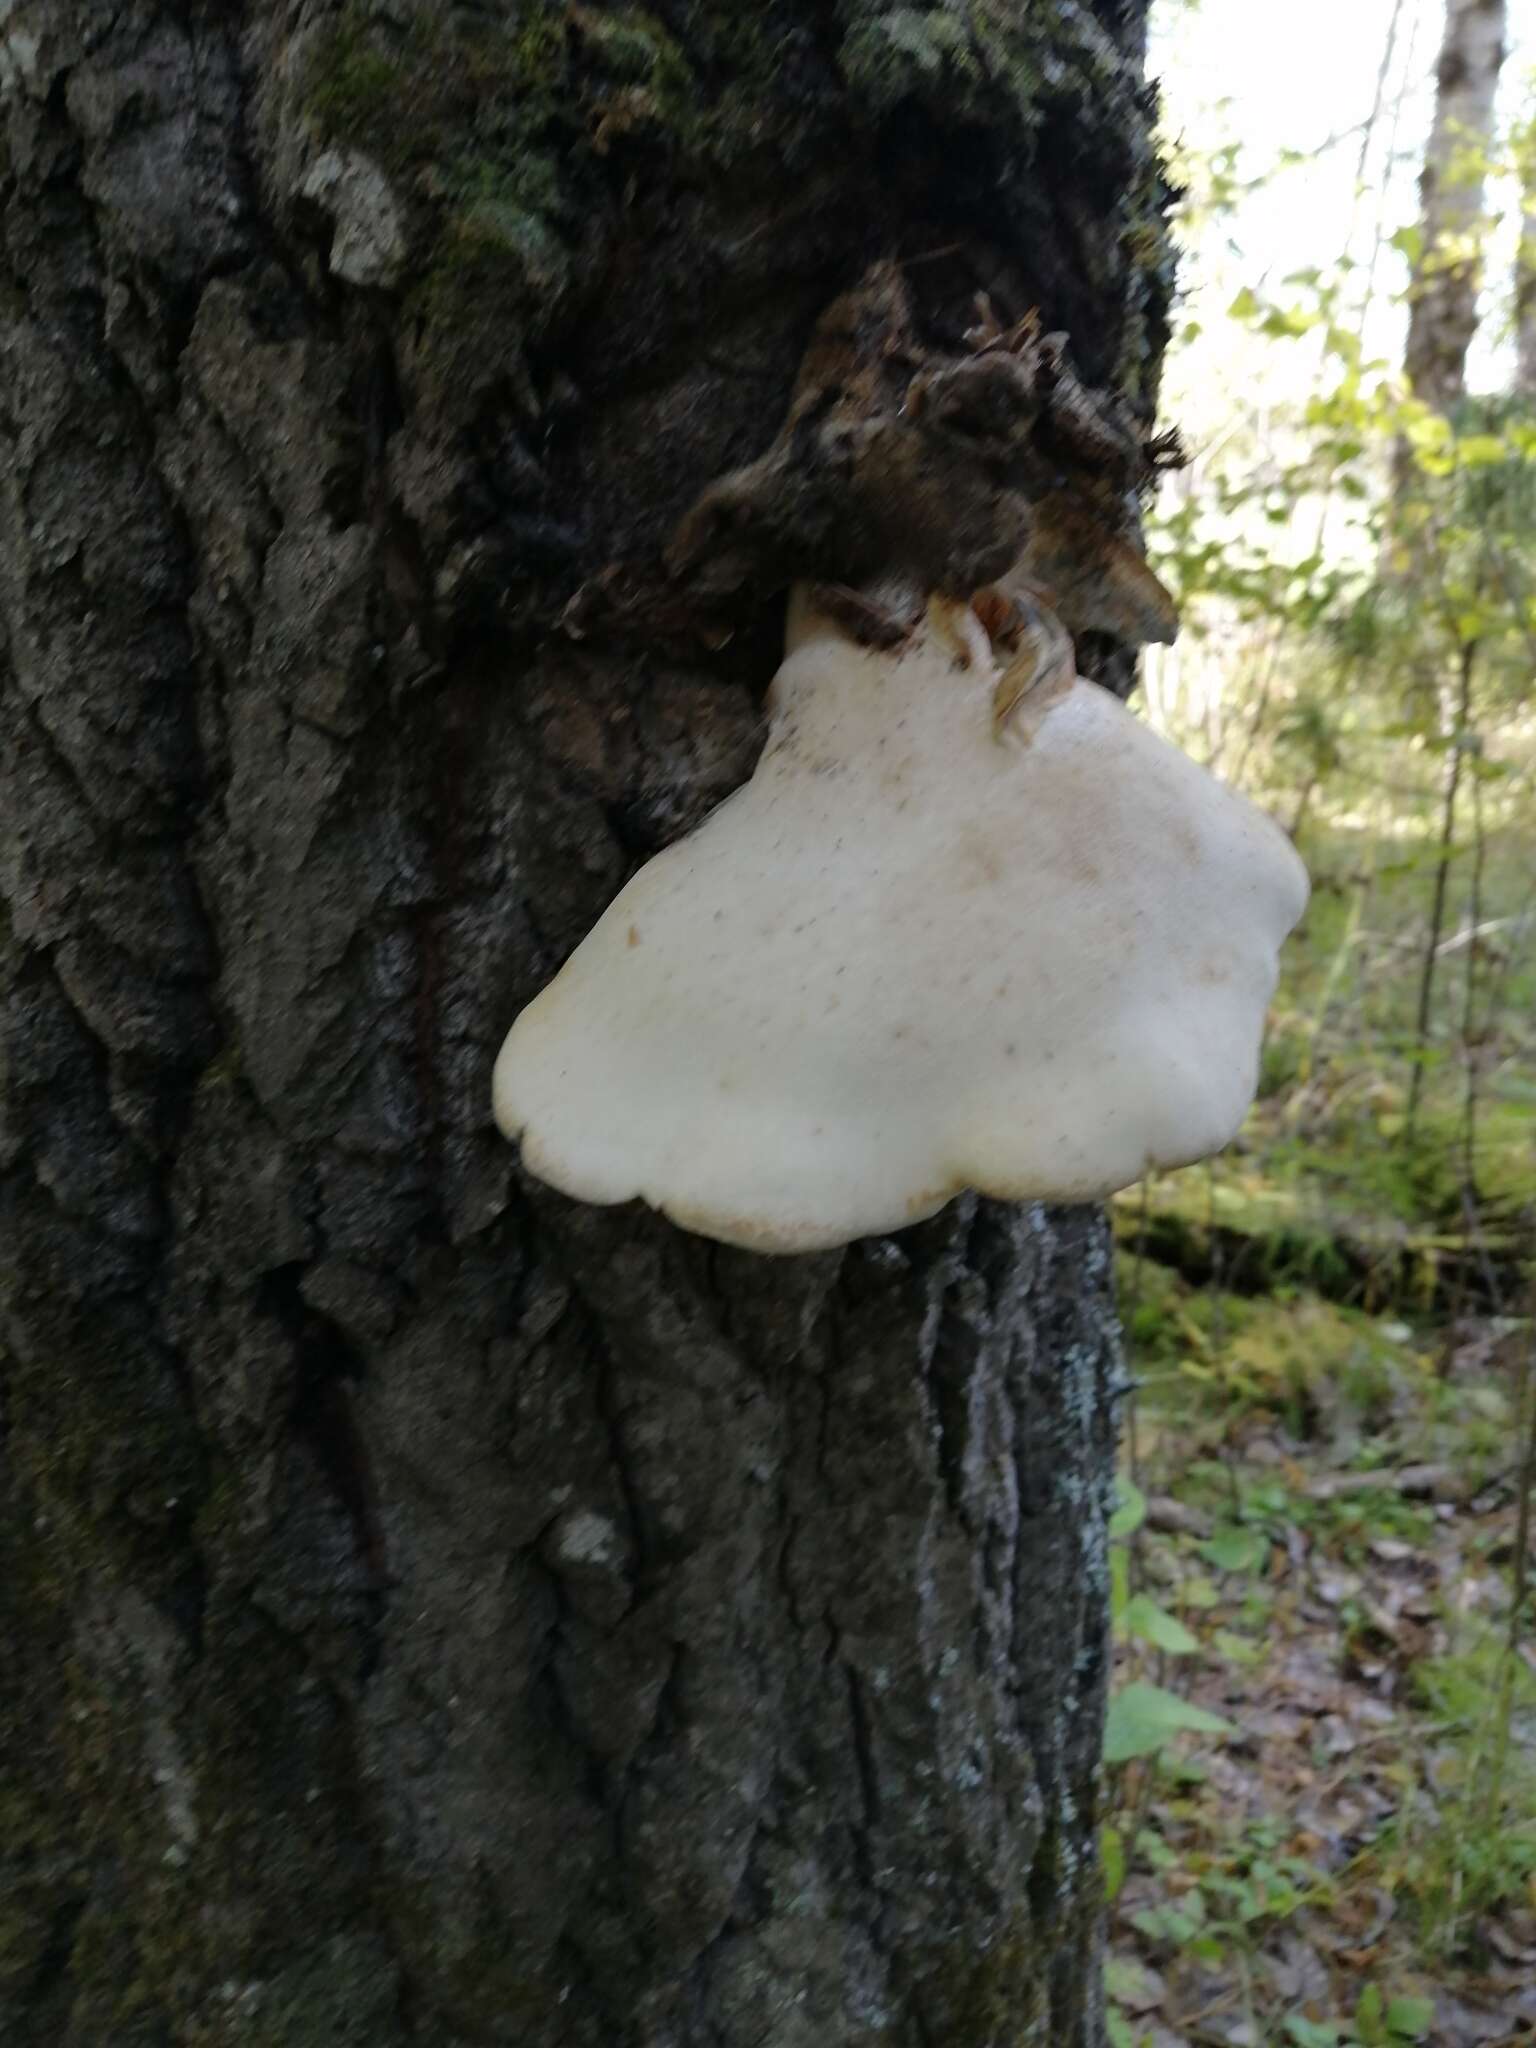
point(911, 957)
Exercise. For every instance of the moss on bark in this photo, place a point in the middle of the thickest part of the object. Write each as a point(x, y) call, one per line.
point(523, 142)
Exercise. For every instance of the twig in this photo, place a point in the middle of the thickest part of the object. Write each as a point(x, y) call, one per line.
point(1132, 1301)
point(1526, 1409)
point(1410, 1479)
point(1469, 1003)
point(1470, 1203)
point(1442, 880)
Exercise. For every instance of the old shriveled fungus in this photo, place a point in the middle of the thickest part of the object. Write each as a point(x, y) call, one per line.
point(936, 942)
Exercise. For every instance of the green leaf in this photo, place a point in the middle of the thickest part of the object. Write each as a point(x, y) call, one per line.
point(1237, 1649)
point(1112, 1859)
point(1119, 2029)
point(1284, 323)
point(1426, 429)
point(1119, 1581)
point(1152, 1849)
point(1130, 1510)
point(1410, 2018)
point(1236, 1550)
point(1369, 2023)
point(1480, 451)
point(1152, 1624)
point(1125, 1979)
point(1311, 2033)
point(1244, 306)
point(1410, 241)
point(1143, 1717)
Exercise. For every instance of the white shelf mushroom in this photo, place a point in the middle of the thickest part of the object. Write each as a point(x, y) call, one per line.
point(913, 955)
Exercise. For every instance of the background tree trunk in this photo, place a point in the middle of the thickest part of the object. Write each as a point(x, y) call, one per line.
point(1525, 266)
point(1442, 310)
point(435, 1612)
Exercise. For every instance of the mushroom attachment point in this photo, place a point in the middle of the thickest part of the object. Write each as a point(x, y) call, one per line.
point(956, 931)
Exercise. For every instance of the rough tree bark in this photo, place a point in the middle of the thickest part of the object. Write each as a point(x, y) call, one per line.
point(434, 1612)
point(1442, 308)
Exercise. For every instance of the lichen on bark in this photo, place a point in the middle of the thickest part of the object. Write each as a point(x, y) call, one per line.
point(514, 133)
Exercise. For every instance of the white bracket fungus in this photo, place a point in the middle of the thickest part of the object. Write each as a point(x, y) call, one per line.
point(957, 931)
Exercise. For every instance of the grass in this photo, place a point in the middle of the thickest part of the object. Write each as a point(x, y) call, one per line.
point(1362, 1842)
point(1327, 1188)
point(1329, 1326)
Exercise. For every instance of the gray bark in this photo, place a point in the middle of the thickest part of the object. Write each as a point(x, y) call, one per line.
point(435, 1612)
point(1442, 310)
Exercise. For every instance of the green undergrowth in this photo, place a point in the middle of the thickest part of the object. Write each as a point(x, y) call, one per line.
point(1323, 1734)
point(1207, 1353)
point(1331, 1186)
point(1463, 1843)
point(1342, 1046)
point(1322, 1739)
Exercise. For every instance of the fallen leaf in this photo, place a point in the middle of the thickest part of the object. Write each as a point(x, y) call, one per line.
point(1133, 1984)
point(1515, 1940)
point(1459, 2025)
point(1176, 1518)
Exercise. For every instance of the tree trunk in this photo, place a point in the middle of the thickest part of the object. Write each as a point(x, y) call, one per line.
point(1525, 268)
point(435, 1612)
point(1442, 309)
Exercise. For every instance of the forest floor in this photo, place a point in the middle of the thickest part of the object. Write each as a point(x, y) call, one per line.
point(1323, 1744)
